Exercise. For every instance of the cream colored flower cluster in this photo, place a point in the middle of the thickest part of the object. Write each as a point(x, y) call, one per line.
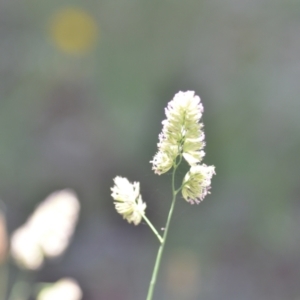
point(48, 231)
point(196, 183)
point(64, 289)
point(127, 199)
point(182, 135)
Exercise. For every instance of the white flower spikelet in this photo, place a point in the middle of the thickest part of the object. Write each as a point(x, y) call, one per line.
point(127, 199)
point(48, 231)
point(182, 133)
point(64, 289)
point(196, 183)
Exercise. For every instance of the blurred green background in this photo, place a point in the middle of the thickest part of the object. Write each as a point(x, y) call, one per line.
point(82, 94)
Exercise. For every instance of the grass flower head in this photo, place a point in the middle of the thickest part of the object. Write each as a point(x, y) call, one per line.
point(182, 133)
point(127, 199)
point(65, 288)
point(47, 232)
point(181, 139)
point(196, 183)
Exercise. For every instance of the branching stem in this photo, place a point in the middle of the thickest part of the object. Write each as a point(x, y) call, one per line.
point(162, 245)
point(153, 228)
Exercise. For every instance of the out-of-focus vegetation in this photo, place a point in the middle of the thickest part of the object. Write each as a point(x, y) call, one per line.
point(82, 92)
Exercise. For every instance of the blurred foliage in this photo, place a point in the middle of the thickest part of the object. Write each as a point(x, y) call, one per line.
point(77, 110)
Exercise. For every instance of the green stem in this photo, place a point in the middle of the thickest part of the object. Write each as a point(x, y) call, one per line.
point(3, 279)
point(153, 229)
point(21, 289)
point(162, 245)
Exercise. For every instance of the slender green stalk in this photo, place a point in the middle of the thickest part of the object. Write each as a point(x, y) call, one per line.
point(21, 289)
point(3, 280)
point(153, 228)
point(162, 245)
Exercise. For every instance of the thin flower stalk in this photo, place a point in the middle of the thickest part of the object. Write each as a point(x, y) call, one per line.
point(153, 229)
point(182, 138)
point(162, 246)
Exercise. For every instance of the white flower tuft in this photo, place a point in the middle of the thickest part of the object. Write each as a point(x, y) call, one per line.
point(127, 199)
point(47, 232)
point(196, 183)
point(65, 288)
point(182, 133)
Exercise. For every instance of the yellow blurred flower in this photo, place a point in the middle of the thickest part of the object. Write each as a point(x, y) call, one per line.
point(73, 30)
